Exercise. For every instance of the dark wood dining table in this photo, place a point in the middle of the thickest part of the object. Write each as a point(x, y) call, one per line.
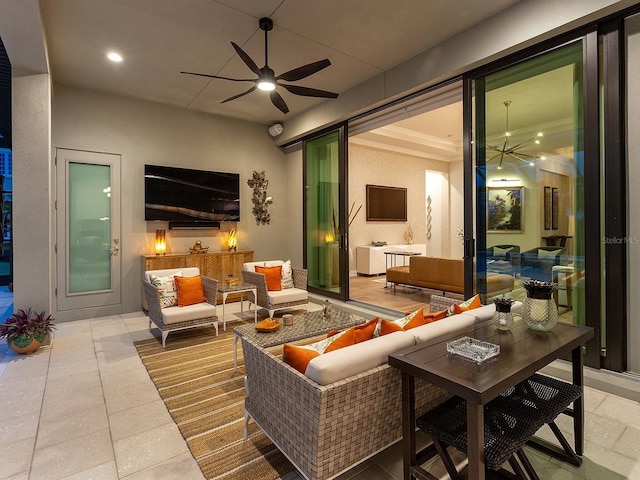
point(522, 353)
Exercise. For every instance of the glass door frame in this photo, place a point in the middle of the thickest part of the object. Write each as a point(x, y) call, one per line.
point(104, 301)
point(474, 215)
point(343, 242)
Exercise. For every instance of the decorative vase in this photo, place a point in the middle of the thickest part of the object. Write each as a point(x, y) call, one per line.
point(326, 309)
point(502, 317)
point(539, 311)
point(26, 344)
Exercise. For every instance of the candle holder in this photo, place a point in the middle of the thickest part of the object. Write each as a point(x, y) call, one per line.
point(539, 311)
point(161, 242)
point(232, 240)
point(502, 317)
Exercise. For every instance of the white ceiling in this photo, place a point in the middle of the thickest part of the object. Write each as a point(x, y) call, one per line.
point(362, 39)
point(159, 38)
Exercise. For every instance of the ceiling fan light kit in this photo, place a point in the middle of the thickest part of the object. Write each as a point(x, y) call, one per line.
point(267, 80)
point(515, 151)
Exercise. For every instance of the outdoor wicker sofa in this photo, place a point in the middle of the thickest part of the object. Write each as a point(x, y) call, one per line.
point(325, 430)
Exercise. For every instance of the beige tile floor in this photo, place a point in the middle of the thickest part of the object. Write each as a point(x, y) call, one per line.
point(84, 407)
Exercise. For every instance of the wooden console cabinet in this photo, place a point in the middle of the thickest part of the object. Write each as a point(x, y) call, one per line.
point(216, 265)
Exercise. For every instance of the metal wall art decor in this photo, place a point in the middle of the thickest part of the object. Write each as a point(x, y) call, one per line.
point(429, 217)
point(260, 199)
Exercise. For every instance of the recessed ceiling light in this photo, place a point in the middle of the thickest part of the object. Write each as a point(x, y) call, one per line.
point(114, 57)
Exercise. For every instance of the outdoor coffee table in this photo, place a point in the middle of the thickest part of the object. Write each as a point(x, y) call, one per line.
point(305, 325)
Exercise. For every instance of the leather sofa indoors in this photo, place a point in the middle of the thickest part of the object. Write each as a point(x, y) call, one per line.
point(445, 275)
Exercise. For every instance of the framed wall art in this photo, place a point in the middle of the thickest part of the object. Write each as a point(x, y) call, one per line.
point(555, 200)
point(547, 208)
point(505, 209)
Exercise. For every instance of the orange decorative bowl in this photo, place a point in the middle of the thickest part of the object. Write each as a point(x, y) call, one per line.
point(231, 281)
point(268, 325)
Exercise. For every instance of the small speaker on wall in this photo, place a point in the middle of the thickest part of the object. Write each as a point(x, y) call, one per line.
point(276, 129)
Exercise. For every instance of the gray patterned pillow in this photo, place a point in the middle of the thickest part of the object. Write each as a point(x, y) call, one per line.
point(167, 289)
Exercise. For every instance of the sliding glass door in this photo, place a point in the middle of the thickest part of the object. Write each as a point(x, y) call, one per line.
point(325, 241)
point(530, 166)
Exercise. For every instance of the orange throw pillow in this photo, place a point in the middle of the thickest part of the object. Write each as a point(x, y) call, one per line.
point(298, 357)
point(362, 332)
point(387, 327)
point(273, 275)
point(432, 317)
point(346, 339)
point(416, 321)
point(189, 290)
point(365, 331)
point(475, 303)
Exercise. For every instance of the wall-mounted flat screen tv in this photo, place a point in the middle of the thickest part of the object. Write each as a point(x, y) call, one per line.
point(386, 204)
point(184, 195)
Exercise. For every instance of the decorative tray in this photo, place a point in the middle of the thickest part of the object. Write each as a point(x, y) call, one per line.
point(473, 349)
point(268, 325)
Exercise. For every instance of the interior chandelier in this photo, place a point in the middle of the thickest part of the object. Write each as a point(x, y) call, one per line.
point(514, 151)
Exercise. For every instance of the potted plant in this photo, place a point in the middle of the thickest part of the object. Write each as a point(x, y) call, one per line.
point(26, 330)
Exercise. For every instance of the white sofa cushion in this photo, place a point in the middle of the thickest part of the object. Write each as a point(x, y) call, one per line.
point(172, 315)
point(251, 266)
point(435, 331)
point(186, 272)
point(339, 364)
point(486, 312)
point(287, 295)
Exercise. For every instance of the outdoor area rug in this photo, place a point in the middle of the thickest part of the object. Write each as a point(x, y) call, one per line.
point(194, 376)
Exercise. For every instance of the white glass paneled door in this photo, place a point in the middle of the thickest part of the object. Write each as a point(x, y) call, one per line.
point(88, 231)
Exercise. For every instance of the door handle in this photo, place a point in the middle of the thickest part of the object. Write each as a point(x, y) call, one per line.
point(115, 249)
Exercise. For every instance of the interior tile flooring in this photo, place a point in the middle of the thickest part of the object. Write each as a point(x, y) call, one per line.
point(83, 407)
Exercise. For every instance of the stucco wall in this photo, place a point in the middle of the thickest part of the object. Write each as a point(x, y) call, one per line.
point(32, 236)
point(369, 165)
point(144, 132)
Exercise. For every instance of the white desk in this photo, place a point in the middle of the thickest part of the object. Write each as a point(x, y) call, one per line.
point(371, 260)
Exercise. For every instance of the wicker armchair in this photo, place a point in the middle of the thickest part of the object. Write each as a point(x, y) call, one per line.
point(279, 300)
point(170, 319)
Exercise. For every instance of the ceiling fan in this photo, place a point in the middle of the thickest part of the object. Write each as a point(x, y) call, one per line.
point(267, 81)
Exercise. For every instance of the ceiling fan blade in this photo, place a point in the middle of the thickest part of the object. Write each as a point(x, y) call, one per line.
point(304, 71)
point(279, 102)
point(308, 92)
point(247, 59)
point(221, 78)
point(239, 95)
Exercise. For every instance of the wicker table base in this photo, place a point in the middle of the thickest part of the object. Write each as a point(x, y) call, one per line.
point(305, 325)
